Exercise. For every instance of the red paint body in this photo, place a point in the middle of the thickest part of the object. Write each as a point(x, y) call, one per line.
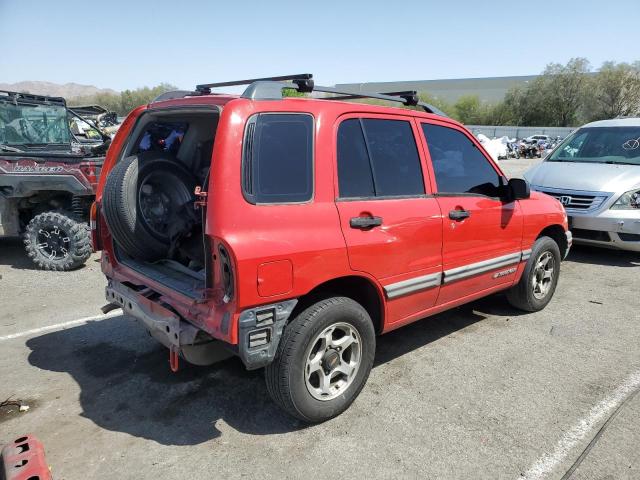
point(282, 252)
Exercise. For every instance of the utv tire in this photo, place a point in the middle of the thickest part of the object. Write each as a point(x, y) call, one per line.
point(327, 339)
point(54, 241)
point(140, 235)
point(540, 277)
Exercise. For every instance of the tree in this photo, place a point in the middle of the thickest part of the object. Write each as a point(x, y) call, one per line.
point(440, 104)
point(125, 101)
point(555, 98)
point(616, 91)
point(468, 109)
point(562, 90)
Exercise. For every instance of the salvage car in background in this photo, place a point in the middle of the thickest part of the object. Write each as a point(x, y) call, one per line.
point(595, 173)
point(99, 117)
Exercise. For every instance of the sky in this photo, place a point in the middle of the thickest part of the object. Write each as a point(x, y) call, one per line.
point(128, 44)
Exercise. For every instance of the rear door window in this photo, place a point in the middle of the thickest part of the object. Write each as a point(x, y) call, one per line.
point(278, 158)
point(378, 158)
point(459, 166)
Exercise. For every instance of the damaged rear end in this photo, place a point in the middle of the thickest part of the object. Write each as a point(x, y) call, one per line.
point(163, 266)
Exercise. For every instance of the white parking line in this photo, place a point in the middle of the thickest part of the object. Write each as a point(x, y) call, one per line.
point(61, 326)
point(549, 461)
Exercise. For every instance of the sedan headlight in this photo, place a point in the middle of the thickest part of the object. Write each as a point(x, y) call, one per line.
point(628, 201)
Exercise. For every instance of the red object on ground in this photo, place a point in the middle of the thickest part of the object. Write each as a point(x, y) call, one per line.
point(24, 459)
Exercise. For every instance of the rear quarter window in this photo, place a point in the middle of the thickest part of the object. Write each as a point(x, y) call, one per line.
point(278, 158)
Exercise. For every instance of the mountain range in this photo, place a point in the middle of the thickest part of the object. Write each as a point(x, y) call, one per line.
point(67, 90)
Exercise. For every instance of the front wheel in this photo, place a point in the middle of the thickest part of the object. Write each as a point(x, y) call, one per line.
point(323, 360)
point(540, 277)
point(55, 241)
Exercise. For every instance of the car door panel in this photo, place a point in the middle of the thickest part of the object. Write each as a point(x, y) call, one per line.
point(482, 248)
point(397, 239)
point(403, 254)
point(479, 252)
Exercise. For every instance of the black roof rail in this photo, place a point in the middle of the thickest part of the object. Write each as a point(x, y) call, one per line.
point(205, 88)
point(406, 94)
point(409, 98)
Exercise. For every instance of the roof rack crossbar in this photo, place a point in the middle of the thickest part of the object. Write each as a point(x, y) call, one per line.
point(282, 78)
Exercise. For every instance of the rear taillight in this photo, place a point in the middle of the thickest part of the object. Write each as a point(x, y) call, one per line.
point(226, 274)
point(94, 225)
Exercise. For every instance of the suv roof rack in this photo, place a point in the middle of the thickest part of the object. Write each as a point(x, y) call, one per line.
point(270, 88)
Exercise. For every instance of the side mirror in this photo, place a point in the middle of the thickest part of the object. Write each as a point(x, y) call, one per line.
point(518, 189)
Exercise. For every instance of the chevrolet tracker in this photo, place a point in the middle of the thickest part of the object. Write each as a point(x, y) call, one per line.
point(291, 231)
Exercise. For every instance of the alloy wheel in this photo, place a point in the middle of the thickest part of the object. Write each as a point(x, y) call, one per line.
point(332, 361)
point(543, 274)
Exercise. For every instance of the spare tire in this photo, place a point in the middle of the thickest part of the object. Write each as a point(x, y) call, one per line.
point(147, 200)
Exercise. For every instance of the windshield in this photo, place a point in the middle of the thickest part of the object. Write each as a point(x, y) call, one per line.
point(600, 145)
point(33, 124)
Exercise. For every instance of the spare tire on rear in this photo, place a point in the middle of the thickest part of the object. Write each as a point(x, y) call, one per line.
point(147, 203)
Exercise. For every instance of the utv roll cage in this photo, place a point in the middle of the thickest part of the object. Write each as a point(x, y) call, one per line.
point(28, 98)
point(270, 88)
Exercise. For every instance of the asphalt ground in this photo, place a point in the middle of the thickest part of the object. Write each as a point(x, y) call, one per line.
point(482, 391)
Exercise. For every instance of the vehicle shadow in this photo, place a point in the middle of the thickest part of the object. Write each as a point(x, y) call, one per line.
point(603, 256)
point(126, 385)
point(12, 254)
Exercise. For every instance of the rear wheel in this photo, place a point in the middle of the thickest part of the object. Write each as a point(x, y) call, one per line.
point(540, 277)
point(323, 360)
point(55, 241)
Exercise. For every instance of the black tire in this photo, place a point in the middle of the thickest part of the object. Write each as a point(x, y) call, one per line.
point(55, 241)
point(285, 376)
point(121, 203)
point(523, 295)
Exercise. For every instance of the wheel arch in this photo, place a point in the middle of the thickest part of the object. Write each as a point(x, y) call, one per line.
point(359, 288)
point(557, 234)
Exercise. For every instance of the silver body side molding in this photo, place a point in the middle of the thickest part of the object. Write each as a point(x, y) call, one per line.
point(413, 285)
point(424, 282)
point(481, 267)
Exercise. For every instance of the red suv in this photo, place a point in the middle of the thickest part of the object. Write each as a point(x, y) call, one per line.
point(291, 231)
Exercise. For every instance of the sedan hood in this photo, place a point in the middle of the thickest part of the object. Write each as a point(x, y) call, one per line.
point(594, 177)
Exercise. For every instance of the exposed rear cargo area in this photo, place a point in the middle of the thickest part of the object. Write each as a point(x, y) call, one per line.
point(149, 199)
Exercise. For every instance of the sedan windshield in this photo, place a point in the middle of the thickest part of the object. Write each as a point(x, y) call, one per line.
point(601, 145)
point(28, 124)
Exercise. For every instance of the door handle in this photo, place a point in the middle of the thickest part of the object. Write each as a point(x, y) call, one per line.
point(459, 214)
point(364, 223)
